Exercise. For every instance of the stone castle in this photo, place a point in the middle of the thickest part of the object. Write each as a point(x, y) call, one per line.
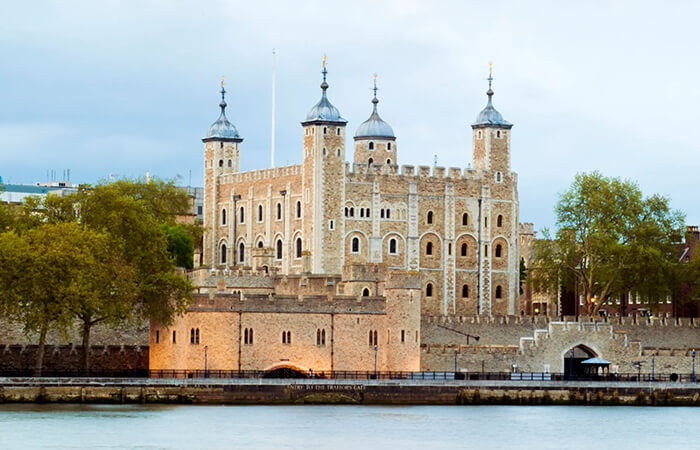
point(323, 264)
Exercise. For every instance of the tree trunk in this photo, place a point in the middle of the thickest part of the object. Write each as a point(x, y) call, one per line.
point(85, 357)
point(40, 351)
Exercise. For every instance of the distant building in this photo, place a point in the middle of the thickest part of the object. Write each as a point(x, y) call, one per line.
point(16, 193)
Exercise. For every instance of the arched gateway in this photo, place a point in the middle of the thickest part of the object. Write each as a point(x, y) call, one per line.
point(573, 358)
point(286, 371)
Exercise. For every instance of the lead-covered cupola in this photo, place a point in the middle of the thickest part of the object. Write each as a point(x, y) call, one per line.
point(375, 142)
point(223, 129)
point(324, 111)
point(489, 116)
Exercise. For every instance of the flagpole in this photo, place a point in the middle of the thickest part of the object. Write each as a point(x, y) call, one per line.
point(272, 137)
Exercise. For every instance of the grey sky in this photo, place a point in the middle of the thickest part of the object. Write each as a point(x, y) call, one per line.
point(124, 87)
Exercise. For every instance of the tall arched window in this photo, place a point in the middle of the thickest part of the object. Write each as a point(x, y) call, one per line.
point(278, 246)
point(241, 252)
point(429, 248)
point(371, 145)
point(365, 292)
point(465, 291)
point(223, 216)
point(279, 211)
point(369, 162)
point(241, 218)
point(297, 251)
point(465, 219)
point(223, 253)
point(392, 246)
point(429, 290)
point(355, 245)
point(499, 250)
point(430, 217)
point(260, 213)
point(388, 146)
point(499, 221)
point(298, 210)
point(463, 251)
point(499, 292)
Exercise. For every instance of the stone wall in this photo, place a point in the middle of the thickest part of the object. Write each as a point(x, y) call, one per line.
point(67, 357)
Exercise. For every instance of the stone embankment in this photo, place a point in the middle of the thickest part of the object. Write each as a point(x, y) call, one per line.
point(373, 392)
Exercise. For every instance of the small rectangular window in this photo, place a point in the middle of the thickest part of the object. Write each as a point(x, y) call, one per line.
point(331, 225)
point(174, 337)
point(157, 336)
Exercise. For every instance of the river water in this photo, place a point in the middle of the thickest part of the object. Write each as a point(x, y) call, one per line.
point(351, 427)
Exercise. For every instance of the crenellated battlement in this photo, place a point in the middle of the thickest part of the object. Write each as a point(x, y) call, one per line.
point(311, 304)
point(358, 172)
point(261, 174)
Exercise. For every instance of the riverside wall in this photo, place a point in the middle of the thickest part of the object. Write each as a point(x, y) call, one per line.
point(203, 391)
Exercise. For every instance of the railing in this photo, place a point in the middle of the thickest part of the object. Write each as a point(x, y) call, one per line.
point(352, 375)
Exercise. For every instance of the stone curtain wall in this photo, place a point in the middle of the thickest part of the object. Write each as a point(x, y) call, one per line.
point(11, 333)
point(544, 342)
point(67, 357)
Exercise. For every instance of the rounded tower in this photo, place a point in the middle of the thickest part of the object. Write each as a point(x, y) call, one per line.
point(323, 182)
point(222, 147)
point(491, 138)
point(375, 142)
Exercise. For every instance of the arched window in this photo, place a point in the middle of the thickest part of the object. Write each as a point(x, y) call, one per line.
point(284, 337)
point(223, 253)
point(279, 211)
point(369, 162)
point(352, 212)
point(325, 130)
point(371, 145)
point(260, 244)
point(388, 161)
point(223, 216)
point(324, 151)
point(430, 217)
point(370, 338)
point(388, 145)
point(486, 250)
point(298, 210)
point(465, 291)
point(429, 248)
point(260, 213)
point(279, 249)
point(355, 245)
point(250, 336)
point(375, 337)
point(192, 336)
point(297, 251)
point(388, 213)
point(174, 337)
point(347, 211)
point(221, 163)
point(392, 246)
point(429, 290)
point(241, 218)
point(323, 337)
point(337, 150)
point(362, 212)
point(465, 219)
point(463, 251)
point(499, 221)
point(230, 163)
point(241, 252)
point(365, 292)
point(499, 292)
point(245, 336)
point(289, 337)
point(196, 336)
point(499, 249)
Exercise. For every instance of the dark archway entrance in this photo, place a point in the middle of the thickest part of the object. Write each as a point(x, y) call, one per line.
point(285, 372)
point(572, 361)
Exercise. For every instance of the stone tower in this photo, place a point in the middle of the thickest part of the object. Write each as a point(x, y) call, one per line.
point(375, 142)
point(221, 156)
point(323, 183)
point(491, 145)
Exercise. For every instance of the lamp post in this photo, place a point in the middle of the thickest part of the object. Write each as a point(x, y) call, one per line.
point(134, 360)
point(653, 365)
point(206, 347)
point(693, 377)
point(375, 362)
point(571, 365)
point(456, 361)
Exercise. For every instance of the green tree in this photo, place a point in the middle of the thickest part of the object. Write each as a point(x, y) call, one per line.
point(610, 240)
point(35, 280)
point(180, 245)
